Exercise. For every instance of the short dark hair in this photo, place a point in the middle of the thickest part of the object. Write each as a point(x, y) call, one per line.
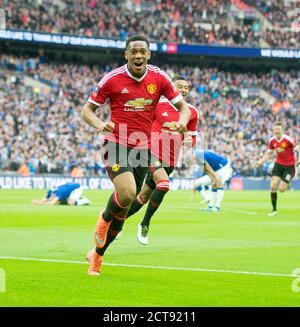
point(137, 38)
point(179, 77)
point(278, 123)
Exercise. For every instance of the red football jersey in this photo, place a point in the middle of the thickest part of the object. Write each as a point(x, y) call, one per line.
point(166, 143)
point(284, 149)
point(132, 102)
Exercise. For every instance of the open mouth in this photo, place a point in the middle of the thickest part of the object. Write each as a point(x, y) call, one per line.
point(138, 64)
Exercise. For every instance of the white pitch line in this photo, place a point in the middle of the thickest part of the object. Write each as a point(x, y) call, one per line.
point(236, 272)
point(243, 212)
point(199, 209)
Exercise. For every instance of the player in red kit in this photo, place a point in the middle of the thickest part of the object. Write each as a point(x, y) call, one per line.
point(284, 167)
point(133, 91)
point(165, 145)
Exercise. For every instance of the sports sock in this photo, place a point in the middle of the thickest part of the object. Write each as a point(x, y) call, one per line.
point(220, 194)
point(114, 208)
point(274, 200)
point(157, 196)
point(114, 229)
point(205, 195)
point(213, 197)
point(135, 206)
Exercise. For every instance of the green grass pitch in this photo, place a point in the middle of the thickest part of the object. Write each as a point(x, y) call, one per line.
point(238, 257)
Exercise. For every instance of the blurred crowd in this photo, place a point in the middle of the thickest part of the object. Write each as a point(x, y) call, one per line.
point(281, 13)
point(183, 21)
point(43, 129)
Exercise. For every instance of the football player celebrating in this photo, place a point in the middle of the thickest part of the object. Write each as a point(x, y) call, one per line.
point(133, 91)
point(165, 145)
point(284, 168)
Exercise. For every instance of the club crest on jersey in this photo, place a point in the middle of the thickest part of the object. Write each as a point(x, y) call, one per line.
point(283, 145)
point(115, 167)
point(151, 88)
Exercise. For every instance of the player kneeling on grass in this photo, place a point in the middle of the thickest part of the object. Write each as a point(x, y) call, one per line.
point(216, 172)
point(284, 169)
point(68, 194)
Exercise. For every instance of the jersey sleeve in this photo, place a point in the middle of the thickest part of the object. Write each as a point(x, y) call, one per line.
point(168, 89)
point(100, 92)
point(192, 125)
point(294, 143)
point(193, 122)
point(271, 145)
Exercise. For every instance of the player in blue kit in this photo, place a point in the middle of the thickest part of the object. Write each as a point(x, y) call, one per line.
point(217, 172)
point(69, 194)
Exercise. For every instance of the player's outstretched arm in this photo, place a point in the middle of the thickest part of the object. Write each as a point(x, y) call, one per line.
point(184, 116)
point(265, 158)
point(51, 201)
point(89, 116)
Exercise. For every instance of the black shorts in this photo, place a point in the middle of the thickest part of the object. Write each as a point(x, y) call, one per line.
point(119, 159)
point(286, 173)
point(149, 178)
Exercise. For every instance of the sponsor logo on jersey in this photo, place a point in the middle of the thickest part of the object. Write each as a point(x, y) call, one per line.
point(115, 167)
point(169, 131)
point(138, 104)
point(151, 88)
point(171, 125)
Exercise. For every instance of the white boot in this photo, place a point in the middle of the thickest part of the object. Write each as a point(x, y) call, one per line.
point(83, 201)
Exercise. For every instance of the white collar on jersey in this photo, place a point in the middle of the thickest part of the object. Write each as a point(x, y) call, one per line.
point(282, 137)
point(136, 78)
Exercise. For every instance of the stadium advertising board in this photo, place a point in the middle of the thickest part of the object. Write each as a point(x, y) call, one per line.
point(170, 48)
point(92, 183)
point(104, 183)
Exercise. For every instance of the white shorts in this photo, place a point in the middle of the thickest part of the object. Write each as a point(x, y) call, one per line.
point(76, 194)
point(223, 173)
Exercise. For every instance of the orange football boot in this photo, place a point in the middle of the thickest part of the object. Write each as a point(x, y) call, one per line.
point(95, 262)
